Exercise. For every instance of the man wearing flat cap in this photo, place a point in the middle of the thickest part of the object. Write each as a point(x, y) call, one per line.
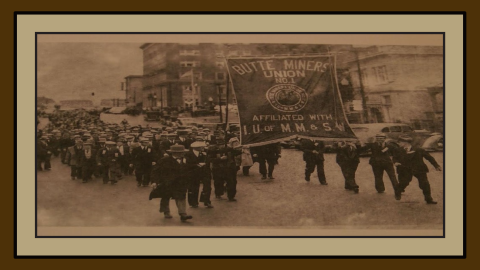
point(73, 156)
point(381, 161)
point(409, 163)
point(170, 176)
point(199, 166)
point(87, 161)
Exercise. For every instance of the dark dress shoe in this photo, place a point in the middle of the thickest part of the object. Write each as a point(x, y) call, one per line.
point(398, 196)
point(208, 205)
point(380, 191)
point(194, 206)
point(232, 200)
point(356, 190)
point(185, 217)
point(324, 183)
point(167, 215)
point(307, 179)
point(264, 177)
point(431, 202)
point(271, 177)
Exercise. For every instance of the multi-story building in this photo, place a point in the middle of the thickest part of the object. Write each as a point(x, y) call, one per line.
point(167, 68)
point(397, 84)
point(133, 89)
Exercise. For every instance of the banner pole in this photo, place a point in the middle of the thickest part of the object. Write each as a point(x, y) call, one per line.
point(226, 106)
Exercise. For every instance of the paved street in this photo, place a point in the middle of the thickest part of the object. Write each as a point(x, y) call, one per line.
point(286, 201)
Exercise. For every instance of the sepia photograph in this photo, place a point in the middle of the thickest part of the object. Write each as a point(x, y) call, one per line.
point(193, 136)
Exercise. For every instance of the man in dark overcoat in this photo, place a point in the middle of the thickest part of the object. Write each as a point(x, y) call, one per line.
point(348, 159)
point(381, 161)
point(199, 165)
point(170, 176)
point(409, 163)
point(313, 156)
point(143, 159)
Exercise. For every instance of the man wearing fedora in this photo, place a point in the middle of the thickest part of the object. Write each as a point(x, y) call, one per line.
point(409, 163)
point(199, 166)
point(170, 176)
point(143, 159)
point(381, 161)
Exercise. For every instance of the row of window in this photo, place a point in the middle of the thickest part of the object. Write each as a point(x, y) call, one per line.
point(217, 53)
point(219, 64)
point(374, 75)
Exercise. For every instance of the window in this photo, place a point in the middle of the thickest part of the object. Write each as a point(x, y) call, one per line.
point(221, 89)
point(186, 75)
point(189, 52)
point(220, 76)
point(189, 63)
point(381, 74)
point(365, 76)
point(387, 100)
point(220, 64)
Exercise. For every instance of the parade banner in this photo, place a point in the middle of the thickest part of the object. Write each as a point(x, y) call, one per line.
point(285, 97)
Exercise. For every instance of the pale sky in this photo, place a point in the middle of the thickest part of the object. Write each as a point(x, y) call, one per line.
point(75, 70)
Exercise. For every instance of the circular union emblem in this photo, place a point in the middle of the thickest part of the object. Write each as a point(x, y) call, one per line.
point(287, 97)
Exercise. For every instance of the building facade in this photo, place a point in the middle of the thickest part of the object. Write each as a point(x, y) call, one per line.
point(133, 90)
point(168, 69)
point(401, 84)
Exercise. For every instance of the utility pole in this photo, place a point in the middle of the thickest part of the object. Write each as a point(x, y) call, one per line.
point(362, 89)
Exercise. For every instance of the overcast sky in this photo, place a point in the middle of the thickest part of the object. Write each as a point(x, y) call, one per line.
point(75, 70)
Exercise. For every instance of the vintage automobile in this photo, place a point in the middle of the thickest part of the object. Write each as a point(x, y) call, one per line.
point(153, 116)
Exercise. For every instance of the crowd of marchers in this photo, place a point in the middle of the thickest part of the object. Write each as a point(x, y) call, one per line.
point(176, 161)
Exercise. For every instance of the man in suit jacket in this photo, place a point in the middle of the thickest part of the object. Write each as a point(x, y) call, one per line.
point(266, 154)
point(409, 163)
point(381, 161)
point(87, 161)
point(166, 144)
point(348, 159)
point(183, 139)
point(313, 156)
point(170, 175)
point(143, 159)
point(199, 167)
point(124, 157)
point(73, 156)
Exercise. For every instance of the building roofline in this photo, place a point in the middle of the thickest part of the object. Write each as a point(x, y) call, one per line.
point(144, 45)
point(134, 76)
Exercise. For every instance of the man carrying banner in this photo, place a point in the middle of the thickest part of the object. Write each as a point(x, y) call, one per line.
point(313, 157)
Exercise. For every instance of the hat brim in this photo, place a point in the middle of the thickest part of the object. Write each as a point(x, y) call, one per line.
point(184, 151)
